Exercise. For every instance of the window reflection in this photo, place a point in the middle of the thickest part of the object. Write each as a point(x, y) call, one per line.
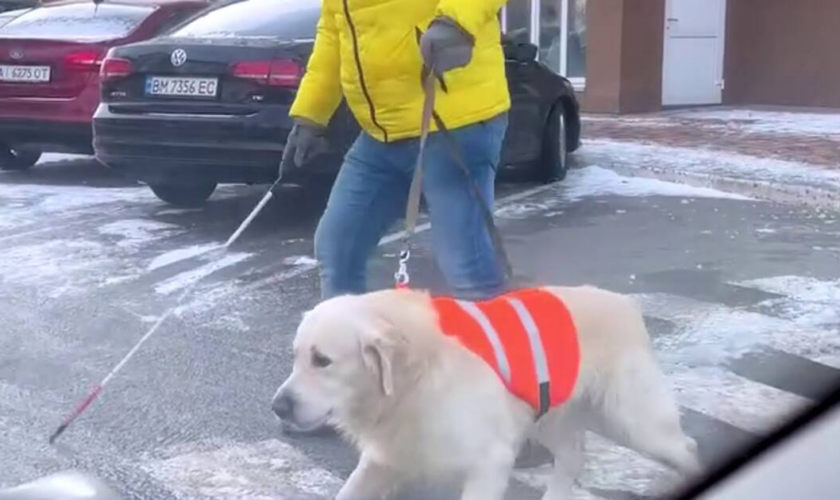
point(551, 23)
point(576, 50)
point(519, 20)
point(556, 18)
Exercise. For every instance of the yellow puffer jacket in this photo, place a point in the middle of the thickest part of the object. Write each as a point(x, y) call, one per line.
point(367, 51)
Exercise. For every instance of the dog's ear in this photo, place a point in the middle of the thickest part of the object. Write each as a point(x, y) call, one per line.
point(379, 348)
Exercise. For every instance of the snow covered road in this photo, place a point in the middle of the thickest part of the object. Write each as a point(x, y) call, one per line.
point(740, 296)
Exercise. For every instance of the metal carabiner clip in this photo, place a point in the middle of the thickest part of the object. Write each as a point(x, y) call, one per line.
point(401, 276)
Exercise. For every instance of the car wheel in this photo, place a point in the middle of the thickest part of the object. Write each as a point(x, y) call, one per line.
point(13, 159)
point(184, 195)
point(554, 160)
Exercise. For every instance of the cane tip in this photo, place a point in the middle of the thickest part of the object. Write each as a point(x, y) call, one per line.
point(57, 433)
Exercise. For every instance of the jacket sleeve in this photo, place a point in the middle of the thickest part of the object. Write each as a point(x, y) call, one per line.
point(471, 15)
point(320, 90)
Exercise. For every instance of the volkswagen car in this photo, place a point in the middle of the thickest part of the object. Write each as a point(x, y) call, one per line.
point(208, 103)
point(49, 69)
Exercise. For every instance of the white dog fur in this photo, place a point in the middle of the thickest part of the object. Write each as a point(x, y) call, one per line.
point(420, 406)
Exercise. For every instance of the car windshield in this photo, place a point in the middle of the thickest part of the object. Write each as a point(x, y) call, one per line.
point(286, 19)
point(620, 267)
point(77, 22)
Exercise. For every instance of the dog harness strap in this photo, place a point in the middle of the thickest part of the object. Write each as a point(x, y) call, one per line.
point(492, 337)
point(537, 353)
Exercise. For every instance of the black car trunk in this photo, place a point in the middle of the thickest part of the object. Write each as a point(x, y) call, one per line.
point(202, 76)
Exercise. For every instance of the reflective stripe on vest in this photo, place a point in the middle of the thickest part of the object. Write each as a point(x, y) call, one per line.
point(537, 353)
point(528, 337)
point(492, 337)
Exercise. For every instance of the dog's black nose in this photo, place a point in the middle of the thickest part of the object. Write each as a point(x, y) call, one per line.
point(283, 406)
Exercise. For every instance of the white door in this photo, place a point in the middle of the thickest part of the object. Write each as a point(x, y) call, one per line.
point(692, 70)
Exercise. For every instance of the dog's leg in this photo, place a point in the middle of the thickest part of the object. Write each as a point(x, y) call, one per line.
point(638, 411)
point(489, 479)
point(564, 434)
point(369, 481)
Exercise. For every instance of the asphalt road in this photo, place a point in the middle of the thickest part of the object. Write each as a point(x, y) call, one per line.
point(740, 297)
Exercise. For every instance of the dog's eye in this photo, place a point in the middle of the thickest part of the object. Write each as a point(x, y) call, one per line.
point(319, 360)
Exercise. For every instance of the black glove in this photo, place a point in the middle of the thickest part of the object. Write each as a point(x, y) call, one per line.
point(446, 46)
point(305, 141)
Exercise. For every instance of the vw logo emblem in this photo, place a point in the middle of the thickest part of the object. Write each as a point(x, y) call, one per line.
point(16, 54)
point(179, 57)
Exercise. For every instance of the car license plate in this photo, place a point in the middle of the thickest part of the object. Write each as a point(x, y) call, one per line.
point(181, 86)
point(24, 74)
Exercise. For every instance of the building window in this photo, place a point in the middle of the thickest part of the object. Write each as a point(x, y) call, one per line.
point(517, 16)
point(576, 39)
point(557, 27)
point(551, 34)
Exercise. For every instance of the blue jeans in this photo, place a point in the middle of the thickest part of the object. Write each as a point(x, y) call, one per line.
point(370, 196)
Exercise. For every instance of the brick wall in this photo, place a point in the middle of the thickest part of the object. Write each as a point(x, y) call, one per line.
point(783, 52)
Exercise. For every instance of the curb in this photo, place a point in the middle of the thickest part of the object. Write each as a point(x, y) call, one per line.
point(788, 194)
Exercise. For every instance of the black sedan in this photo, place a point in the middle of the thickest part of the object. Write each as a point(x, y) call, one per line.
point(208, 103)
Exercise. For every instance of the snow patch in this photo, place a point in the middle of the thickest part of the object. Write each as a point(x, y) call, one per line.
point(521, 210)
point(708, 162)
point(808, 302)
point(300, 260)
point(135, 232)
point(179, 211)
point(227, 469)
point(738, 401)
point(181, 254)
point(775, 122)
point(185, 279)
point(56, 266)
point(62, 198)
point(62, 157)
point(598, 181)
point(712, 334)
point(29, 203)
point(230, 322)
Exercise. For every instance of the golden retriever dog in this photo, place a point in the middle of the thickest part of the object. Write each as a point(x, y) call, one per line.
point(419, 405)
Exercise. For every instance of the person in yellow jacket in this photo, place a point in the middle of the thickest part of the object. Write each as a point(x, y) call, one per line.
point(372, 53)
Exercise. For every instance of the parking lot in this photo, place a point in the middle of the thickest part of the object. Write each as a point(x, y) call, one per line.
point(737, 293)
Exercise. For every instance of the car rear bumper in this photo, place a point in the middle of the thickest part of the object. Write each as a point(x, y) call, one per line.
point(159, 147)
point(60, 137)
point(60, 125)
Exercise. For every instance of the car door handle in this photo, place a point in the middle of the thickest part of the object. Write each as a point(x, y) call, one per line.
point(673, 20)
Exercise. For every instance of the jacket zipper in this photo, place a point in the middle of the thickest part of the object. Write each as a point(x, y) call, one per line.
point(359, 69)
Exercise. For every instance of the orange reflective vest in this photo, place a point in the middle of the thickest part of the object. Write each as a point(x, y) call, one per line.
point(527, 336)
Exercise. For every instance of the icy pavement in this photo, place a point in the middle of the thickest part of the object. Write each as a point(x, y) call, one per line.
point(785, 123)
point(740, 296)
point(708, 162)
point(781, 155)
point(749, 121)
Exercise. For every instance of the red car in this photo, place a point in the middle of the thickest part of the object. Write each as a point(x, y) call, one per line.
point(49, 69)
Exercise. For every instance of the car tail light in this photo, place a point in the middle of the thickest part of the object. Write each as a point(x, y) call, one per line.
point(276, 73)
point(114, 67)
point(87, 60)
